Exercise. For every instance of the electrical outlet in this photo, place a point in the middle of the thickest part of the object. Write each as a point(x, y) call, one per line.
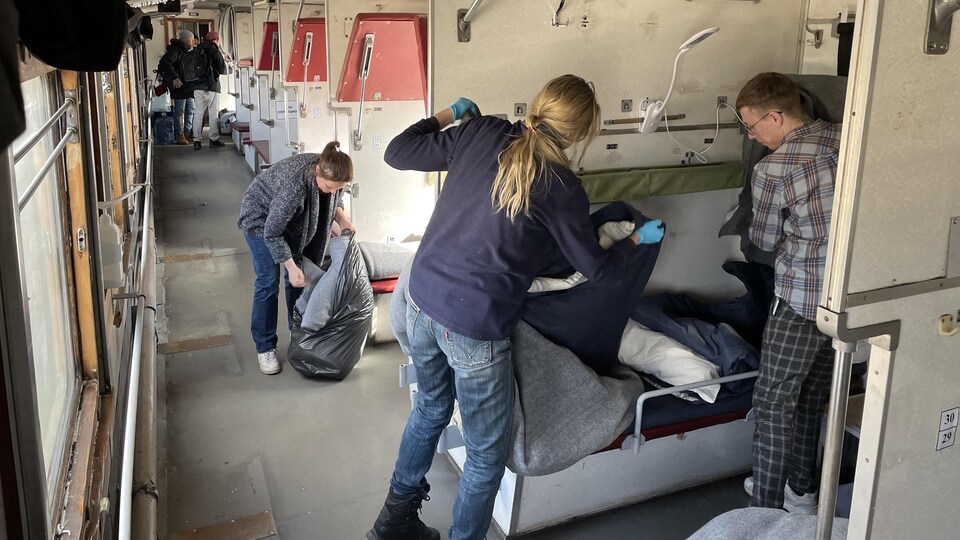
point(708, 140)
point(519, 109)
point(612, 146)
point(721, 100)
point(626, 105)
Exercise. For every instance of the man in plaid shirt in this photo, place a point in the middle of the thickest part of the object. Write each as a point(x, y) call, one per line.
point(792, 203)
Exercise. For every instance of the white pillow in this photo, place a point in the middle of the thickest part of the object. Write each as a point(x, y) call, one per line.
point(652, 352)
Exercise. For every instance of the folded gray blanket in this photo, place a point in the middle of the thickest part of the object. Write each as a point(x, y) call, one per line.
point(563, 411)
point(384, 260)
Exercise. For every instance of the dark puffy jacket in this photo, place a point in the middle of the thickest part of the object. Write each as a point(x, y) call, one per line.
point(218, 66)
point(171, 67)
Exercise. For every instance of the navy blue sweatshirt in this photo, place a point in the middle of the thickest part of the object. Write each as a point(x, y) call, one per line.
point(474, 266)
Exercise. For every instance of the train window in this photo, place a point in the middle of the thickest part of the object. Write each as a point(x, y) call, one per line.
point(46, 281)
point(199, 27)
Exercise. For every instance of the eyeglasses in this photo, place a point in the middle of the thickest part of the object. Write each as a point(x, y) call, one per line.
point(753, 125)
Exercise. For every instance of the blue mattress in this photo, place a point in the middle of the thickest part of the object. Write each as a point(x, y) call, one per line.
point(665, 410)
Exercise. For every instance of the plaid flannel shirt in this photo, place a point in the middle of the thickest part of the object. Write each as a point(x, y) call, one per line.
point(792, 203)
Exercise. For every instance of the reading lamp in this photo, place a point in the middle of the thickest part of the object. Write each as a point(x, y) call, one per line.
point(654, 113)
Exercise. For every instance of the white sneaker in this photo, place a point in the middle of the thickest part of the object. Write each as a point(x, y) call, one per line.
point(793, 503)
point(269, 364)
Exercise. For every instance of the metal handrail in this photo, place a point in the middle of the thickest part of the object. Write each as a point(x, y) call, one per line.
point(38, 179)
point(130, 424)
point(833, 443)
point(67, 103)
point(265, 121)
point(637, 439)
point(471, 12)
point(107, 204)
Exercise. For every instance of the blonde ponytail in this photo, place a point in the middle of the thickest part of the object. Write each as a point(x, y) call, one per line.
point(564, 113)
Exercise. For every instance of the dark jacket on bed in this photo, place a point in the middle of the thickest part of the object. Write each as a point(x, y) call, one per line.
point(473, 268)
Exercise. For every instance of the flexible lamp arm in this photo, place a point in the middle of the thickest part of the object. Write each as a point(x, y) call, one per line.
point(673, 79)
point(655, 111)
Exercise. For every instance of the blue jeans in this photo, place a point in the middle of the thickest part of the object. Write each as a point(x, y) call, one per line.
point(263, 319)
point(182, 116)
point(480, 375)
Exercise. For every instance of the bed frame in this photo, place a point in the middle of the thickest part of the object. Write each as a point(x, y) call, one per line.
point(637, 466)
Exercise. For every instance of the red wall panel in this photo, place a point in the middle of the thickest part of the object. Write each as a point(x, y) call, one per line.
point(317, 68)
point(266, 49)
point(398, 67)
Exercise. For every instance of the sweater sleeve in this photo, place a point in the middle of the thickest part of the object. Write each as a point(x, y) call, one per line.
point(568, 220)
point(422, 147)
point(283, 207)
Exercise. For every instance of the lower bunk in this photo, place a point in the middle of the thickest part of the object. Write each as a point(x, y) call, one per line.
point(679, 445)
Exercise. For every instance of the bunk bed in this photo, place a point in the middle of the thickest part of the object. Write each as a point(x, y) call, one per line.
point(630, 440)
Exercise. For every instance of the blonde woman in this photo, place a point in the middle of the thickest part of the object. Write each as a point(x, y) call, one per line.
point(510, 201)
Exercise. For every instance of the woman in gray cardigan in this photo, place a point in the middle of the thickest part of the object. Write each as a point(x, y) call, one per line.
point(288, 212)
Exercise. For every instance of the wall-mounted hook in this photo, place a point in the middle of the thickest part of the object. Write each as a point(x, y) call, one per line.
point(939, 24)
point(555, 20)
point(946, 326)
point(817, 40)
point(464, 16)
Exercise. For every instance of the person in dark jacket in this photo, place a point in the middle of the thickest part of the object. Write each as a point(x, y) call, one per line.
point(509, 202)
point(181, 90)
point(283, 210)
point(206, 94)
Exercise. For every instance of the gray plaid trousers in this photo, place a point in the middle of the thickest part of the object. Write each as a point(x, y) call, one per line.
point(796, 367)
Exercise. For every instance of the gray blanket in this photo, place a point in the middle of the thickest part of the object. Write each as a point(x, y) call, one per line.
point(765, 524)
point(384, 260)
point(319, 293)
point(564, 411)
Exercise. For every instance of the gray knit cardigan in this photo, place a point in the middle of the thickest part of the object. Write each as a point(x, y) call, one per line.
point(283, 205)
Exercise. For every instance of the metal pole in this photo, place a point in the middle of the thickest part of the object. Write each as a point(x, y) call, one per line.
point(253, 40)
point(67, 103)
point(130, 425)
point(836, 421)
point(22, 444)
point(144, 512)
point(472, 11)
point(38, 179)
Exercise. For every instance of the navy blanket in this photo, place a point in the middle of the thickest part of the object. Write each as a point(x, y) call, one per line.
point(589, 318)
point(727, 334)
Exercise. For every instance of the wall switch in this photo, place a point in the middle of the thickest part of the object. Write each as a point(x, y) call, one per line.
point(519, 109)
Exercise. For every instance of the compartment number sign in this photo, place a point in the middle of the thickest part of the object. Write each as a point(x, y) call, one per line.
point(948, 428)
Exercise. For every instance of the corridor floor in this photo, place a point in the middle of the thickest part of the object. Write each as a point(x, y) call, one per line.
point(316, 455)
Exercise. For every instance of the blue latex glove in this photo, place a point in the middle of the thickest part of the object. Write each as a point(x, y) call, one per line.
point(650, 232)
point(465, 109)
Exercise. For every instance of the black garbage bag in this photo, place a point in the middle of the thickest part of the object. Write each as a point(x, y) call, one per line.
point(333, 350)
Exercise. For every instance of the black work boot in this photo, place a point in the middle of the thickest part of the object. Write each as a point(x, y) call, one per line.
point(399, 519)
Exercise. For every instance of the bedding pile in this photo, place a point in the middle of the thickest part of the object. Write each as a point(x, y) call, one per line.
point(573, 395)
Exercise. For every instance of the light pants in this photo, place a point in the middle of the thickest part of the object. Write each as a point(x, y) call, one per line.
point(206, 101)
